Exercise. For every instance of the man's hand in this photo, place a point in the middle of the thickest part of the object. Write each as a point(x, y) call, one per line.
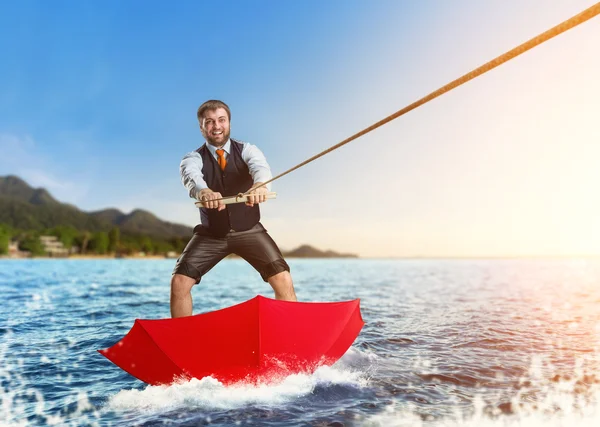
point(209, 198)
point(257, 195)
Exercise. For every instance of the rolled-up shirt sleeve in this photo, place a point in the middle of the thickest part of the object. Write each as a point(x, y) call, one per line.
point(257, 164)
point(191, 174)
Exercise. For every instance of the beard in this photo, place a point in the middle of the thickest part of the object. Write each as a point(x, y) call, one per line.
point(217, 141)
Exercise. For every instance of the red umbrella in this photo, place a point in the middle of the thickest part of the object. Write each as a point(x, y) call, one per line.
point(258, 340)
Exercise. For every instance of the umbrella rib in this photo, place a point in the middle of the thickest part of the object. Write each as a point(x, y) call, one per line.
point(161, 350)
point(344, 328)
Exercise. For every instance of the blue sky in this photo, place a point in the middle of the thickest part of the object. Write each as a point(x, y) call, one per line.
point(98, 101)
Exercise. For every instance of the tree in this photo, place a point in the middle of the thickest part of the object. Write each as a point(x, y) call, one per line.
point(32, 244)
point(99, 242)
point(66, 234)
point(114, 236)
point(128, 244)
point(147, 245)
point(162, 247)
point(83, 240)
point(178, 243)
point(4, 241)
point(7, 229)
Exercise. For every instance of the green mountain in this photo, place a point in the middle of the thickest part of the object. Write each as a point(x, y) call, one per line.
point(142, 222)
point(24, 207)
point(15, 188)
point(108, 215)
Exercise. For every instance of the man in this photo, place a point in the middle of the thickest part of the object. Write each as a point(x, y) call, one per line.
point(219, 168)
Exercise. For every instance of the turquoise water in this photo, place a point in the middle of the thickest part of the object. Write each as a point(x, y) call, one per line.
point(446, 342)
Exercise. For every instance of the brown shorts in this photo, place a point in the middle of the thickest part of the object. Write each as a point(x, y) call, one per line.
point(204, 251)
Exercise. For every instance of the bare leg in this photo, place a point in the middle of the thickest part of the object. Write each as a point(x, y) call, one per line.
point(283, 286)
point(181, 296)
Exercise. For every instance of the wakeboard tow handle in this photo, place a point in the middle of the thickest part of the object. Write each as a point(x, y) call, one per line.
point(240, 198)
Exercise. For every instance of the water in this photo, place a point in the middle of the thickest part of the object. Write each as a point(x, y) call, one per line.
point(446, 343)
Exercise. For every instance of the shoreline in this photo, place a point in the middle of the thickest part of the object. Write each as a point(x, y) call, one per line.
point(88, 257)
point(391, 258)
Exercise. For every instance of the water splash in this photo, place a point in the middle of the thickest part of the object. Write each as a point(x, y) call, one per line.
point(208, 393)
point(545, 399)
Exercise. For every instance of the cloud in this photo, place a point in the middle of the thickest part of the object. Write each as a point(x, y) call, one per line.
point(15, 150)
point(20, 156)
point(61, 189)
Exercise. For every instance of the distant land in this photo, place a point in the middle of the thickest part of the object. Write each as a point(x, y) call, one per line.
point(307, 251)
point(26, 208)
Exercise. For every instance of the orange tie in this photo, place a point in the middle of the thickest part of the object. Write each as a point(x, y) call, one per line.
point(222, 160)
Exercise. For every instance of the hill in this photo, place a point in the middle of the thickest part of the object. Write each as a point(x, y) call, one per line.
point(25, 207)
point(142, 222)
point(13, 187)
point(307, 251)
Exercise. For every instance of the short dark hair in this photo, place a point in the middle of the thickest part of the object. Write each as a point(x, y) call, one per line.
point(212, 105)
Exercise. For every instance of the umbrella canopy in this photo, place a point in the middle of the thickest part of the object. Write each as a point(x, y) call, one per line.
point(258, 340)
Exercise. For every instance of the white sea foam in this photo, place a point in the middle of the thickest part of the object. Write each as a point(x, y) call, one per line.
point(15, 402)
point(563, 415)
point(210, 393)
point(557, 404)
point(357, 358)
